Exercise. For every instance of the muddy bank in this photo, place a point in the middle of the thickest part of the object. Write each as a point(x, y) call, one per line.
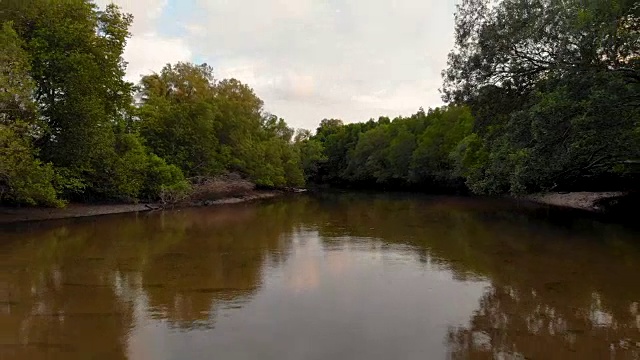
point(598, 202)
point(13, 215)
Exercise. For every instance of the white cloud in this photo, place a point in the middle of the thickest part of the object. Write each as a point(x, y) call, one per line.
point(149, 52)
point(146, 50)
point(144, 11)
point(195, 30)
point(307, 59)
point(302, 86)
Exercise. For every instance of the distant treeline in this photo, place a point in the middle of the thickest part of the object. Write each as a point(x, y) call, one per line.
point(541, 95)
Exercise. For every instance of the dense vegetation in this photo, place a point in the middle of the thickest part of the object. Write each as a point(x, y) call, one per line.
point(542, 95)
point(416, 152)
point(72, 128)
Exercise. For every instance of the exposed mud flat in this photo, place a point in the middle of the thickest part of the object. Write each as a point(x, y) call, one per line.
point(11, 215)
point(589, 201)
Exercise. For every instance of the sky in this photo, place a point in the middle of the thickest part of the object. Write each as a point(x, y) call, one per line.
point(306, 59)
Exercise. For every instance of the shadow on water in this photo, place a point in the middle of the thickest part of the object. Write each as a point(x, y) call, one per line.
point(553, 284)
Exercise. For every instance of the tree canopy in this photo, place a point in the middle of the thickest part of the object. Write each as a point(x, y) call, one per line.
point(541, 95)
point(554, 86)
point(73, 128)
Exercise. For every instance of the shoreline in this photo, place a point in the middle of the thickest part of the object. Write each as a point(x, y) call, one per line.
point(595, 202)
point(10, 215)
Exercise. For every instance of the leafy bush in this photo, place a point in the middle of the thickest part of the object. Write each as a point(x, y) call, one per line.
point(23, 178)
point(163, 181)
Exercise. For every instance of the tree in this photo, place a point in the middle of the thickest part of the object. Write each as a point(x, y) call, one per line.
point(75, 54)
point(446, 128)
point(209, 127)
point(16, 85)
point(368, 161)
point(23, 178)
point(312, 155)
point(241, 129)
point(179, 118)
point(280, 135)
point(516, 43)
point(542, 79)
point(412, 152)
point(77, 65)
point(67, 117)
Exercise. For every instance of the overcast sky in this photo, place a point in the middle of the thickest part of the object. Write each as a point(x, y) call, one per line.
point(307, 59)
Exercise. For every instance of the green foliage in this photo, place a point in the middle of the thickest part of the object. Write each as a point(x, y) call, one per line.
point(338, 141)
point(162, 179)
point(135, 173)
point(15, 83)
point(129, 167)
point(513, 44)
point(23, 178)
point(400, 153)
point(469, 159)
point(75, 52)
point(179, 118)
point(413, 152)
point(544, 94)
point(74, 55)
point(368, 160)
point(447, 128)
point(61, 74)
point(68, 182)
point(208, 127)
point(252, 139)
point(292, 165)
point(554, 88)
point(200, 127)
point(311, 154)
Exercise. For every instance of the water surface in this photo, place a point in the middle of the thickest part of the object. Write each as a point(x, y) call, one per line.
point(323, 277)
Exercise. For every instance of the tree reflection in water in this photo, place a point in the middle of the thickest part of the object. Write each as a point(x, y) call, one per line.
point(560, 287)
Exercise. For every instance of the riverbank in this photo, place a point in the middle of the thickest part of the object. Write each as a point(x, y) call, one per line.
point(589, 201)
point(14, 215)
point(594, 202)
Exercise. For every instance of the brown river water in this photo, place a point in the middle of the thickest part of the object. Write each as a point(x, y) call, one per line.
point(333, 276)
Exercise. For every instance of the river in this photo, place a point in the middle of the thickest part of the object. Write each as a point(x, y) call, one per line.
point(334, 276)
